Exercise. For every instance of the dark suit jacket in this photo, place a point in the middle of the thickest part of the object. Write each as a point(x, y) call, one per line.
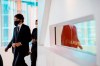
point(34, 45)
point(24, 37)
point(1, 61)
point(34, 34)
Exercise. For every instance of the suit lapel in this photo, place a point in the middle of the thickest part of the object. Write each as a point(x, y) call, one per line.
point(21, 29)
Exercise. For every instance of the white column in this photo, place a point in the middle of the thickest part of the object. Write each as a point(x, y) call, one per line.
point(11, 20)
point(97, 18)
point(0, 23)
point(44, 22)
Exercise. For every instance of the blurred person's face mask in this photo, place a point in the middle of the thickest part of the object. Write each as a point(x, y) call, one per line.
point(16, 23)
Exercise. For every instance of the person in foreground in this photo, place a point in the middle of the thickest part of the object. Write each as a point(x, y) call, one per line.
point(1, 61)
point(20, 41)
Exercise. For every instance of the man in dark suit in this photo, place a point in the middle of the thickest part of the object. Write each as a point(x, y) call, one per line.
point(20, 41)
point(1, 61)
point(34, 46)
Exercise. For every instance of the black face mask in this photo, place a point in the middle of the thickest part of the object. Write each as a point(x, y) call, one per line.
point(16, 23)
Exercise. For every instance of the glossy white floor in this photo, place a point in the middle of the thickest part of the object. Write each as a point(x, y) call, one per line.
point(8, 57)
point(54, 56)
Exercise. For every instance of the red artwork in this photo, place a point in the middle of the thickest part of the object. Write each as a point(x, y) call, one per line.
point(69, 36)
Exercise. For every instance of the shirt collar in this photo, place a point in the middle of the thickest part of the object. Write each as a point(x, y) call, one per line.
point(19, 25)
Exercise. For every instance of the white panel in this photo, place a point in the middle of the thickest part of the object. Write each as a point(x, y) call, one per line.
point(0, 22)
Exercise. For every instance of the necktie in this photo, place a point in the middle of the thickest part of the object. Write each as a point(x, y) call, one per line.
point(18, 29)
point(16, 37)
point(17, 32)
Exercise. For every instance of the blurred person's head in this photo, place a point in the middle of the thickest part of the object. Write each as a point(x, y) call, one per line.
point(36, 23)
point(18, 19)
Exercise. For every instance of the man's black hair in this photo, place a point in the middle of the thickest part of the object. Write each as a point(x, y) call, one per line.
point(20, 16)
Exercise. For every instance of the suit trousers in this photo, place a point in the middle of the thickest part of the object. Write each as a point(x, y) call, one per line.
point(1, 61)
point(34, 54)
point(19, 59)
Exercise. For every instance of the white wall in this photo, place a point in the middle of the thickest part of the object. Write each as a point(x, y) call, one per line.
point(0, 23)
point(66, 10)
point(54, 59)
point(97, 17)
point(58, 34)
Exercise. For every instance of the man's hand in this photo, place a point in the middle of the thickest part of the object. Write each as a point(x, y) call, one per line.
point(13, 45)
point(80, 47)
point(6, 49)
point(18, 44)
point(33, 40)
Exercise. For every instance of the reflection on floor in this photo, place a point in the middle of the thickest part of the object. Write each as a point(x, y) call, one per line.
point(54, 56)
point(8, 57)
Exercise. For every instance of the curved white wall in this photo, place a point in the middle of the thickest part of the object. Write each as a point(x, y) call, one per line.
point(66, 10)
point(0, 23)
